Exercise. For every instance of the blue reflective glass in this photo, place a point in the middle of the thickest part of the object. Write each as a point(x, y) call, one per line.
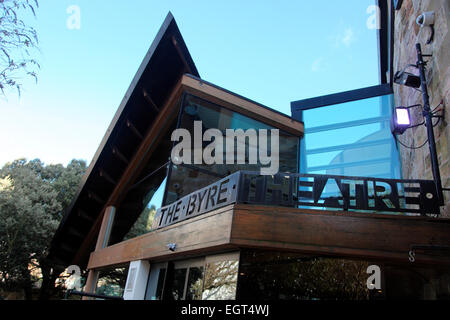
point(351, 139)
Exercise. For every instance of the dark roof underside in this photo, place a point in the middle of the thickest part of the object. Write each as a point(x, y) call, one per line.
point(165, 62)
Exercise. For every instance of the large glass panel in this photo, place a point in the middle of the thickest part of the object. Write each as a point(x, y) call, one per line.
point(351, 139)
point(277, 275)
point(274, 275)
point(155, 283)
point(187, 280)
point(221, 278)
point(179, 279)
point(138, 205)
point(152, 201)
point(111, 282)
point(186, 178)
point(194, 283)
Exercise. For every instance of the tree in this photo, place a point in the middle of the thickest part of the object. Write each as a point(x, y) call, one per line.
point(17, 41)
point(32, 199)
point(143, 224)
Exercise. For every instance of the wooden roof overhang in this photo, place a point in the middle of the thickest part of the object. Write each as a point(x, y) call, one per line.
point(150, 90)
point(147, 111)
point(373, 237)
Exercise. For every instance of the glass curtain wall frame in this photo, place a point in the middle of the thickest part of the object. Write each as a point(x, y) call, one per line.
point(348, 134)
point(214, 116)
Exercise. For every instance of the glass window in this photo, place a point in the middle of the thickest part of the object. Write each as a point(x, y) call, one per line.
point(179, 279)
point(274, 275)
point(351, 139)
point(221, 273)
point(286, 276)
point(137, 207)
point(153, 201)
point(194, 283)
point(156, 280)
point(111, 282)
point(187, 280)
point(210, 278)
point(186, 178)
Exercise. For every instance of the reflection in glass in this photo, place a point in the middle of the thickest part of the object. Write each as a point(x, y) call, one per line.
point(277, 275)
point(155, 283)
point(186, 178)
point(351, 139)
point(152, 201)
point(194, 284)
point(220, 280)
point(179, 278)
point(112, 282)
point(159, 288)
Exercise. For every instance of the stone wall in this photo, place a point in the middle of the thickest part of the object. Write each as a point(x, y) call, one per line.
point(416, 164)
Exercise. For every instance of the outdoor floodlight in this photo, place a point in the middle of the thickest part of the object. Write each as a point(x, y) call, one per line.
point(400, 121)
point(407, 79)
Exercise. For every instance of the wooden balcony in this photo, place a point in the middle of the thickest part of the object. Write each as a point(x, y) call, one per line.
point(374, 237)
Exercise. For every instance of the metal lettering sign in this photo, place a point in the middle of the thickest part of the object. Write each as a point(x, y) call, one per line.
point(305, 191)
point(339, 192)
point(214, 196)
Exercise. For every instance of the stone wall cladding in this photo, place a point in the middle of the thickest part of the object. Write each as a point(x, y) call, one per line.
point(416, 163)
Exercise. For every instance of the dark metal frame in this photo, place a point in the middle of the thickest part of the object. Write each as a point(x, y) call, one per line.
point(427, 198)
point(429, 124)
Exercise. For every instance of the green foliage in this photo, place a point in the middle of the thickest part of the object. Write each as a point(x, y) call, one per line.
point(17, 40)
point(111, 282)
point(291, 276)
point(143, 224)
point(32, 199)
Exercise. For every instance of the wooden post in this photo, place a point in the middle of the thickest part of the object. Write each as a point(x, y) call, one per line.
point(102, 242)
point(105, 229)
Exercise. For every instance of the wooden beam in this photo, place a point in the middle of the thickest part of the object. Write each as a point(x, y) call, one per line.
point(215, 235)
point(75, 233)
point(181, 55)
point(82, 214)
point(119, 155)
point(67, 248)
point(235, 103)
point(107, 177)
point(134, 130)
point(149, 100)
point(373, 237)
point(379, 237)
point(92, 195)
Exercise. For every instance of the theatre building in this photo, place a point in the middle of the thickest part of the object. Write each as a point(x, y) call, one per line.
point(336, 211)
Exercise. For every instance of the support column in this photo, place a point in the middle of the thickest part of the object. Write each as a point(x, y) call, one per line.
point(102, 242)
point(137, 280)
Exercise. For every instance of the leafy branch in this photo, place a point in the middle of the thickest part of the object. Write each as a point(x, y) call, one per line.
point(17, 42)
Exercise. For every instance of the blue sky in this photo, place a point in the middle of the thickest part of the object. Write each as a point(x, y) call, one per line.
point(272, 52)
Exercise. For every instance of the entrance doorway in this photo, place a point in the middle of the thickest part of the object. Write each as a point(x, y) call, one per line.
point(207, 278)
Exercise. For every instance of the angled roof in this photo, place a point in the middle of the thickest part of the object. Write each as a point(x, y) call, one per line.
point(165, 62)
